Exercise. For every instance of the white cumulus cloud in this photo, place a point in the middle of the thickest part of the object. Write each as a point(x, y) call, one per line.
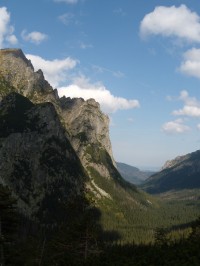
point(193, 111)
point(55, 71)
point(191, 106)
point(179, 22)
point(191, 63)
point(175, 127)
point(82, 87)
point(6, 30)
point(35, 37)
point(12, 39)
point(190, 110)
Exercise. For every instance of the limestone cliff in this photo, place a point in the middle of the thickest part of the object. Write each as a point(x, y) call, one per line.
point(89, 131)
point(86, 126)
point(17, 71)
point(172, 163)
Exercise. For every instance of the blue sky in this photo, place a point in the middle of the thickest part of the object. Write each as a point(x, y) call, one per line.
point(140, 59)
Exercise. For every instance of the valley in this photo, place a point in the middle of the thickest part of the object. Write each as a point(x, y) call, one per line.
point(64, 200)
point(133, 174)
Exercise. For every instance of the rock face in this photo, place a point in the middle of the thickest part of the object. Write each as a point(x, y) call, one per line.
point(21, 73)
point(89, 130)
point(93, 130)
point(17, 71)
point(36, 160)
point(181, 173)
point(176, 161)
point(87, 126)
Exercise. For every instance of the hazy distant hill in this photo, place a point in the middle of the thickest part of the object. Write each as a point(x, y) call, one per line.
point(133, 174)
point(181, 173)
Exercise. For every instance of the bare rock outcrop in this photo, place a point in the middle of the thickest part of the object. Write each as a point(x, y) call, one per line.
point(17, 71)
point(88, 128)
point(174, 162)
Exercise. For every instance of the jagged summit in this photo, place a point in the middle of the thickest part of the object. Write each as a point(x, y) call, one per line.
point(8, 53)
point(16, 53)
point(68, 102)
point(174, 162)
point(18, 72)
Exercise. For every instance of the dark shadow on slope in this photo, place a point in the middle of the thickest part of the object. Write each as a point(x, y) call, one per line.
point(173, 181)
point(183, 175)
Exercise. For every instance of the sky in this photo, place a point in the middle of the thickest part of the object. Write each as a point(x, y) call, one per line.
point(139, 59)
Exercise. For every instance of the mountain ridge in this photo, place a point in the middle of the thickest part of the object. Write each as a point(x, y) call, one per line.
point(181, 173)
point(33, 85)
point(133, 174)
point(82, 137)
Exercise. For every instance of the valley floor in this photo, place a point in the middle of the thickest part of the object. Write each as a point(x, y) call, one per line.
point(173, 211)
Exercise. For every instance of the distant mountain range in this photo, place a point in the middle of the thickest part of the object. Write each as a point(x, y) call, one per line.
point(181, 173)
point(133, 174)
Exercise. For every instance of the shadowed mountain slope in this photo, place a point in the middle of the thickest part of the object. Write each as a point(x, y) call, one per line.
point(181, 173)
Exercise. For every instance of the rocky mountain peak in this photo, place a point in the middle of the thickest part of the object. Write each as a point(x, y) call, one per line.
point(174, 162)
point(69, 103)
point(17, 53)
point(86, 127)
point(18, 72)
